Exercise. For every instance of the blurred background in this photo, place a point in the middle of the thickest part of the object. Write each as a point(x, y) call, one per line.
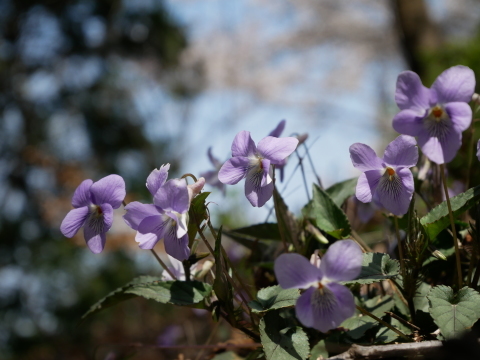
point(89, 88)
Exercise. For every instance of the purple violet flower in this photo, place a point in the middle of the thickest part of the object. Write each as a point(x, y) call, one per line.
point(438, 115)
point(166, 218)
point(211, 176)
point(478, 150)
point(387, 180)
point(276, 133)
point(254, 164)
point(325, 304)
point(94, 203)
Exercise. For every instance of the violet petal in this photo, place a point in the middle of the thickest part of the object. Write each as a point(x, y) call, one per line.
point(157, 178)
point(409, 122)
point(278, 130)
point(395, 195)
point(95, 241)
point(173, 196)
point(151, 230)
point(243, 145)
point(455, 84)
point(266, 178)
point(342, 261)
point(74, 221)
point(438, 151)
point(304, 308)
point(176, 247)
point(461, 115)
point(364, 157)
point(234, 170)
point(295, 271)
point(137, 211)
point(110, 189)
point(96, 227)
point(181, 223)
point(402, 152)
point(82, 196)
point(410, 92)
point(277, 149)
point(366, 185)
point(255, 193)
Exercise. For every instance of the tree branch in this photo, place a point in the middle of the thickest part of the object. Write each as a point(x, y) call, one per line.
point(357, 352)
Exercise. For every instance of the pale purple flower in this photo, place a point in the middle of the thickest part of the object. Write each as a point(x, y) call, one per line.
point(166, 218)
point(389, 180)
point(276, 133)
point(254, 164)
point(211, 176)
point(478, 149)
point(437, 116)
point(94, 203)
point(325, 304)
point(177, 269)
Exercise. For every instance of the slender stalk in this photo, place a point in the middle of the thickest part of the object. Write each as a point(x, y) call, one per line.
point(302, 170)
point(210, 337)
point(162, 264)
point(189, 175)
point(400, 247)
point(452, 224)
point(384, 323)
point(470, 154)
point(403, 321)
point(360, 242)
point(307, 151)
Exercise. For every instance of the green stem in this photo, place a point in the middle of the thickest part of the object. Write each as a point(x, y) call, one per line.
point(162, 264)
point(452, 224)
point(470, 155)
point(384, 323)
point(400, 247)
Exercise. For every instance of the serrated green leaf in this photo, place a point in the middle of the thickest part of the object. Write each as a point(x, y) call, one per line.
point(357, 326)
point(376, 267)
point(319, 351)
point(454, 313)
point(386, 335)
point(117, 296)
point(438, 219)
point(341, 191)
point(172, 292)
point(274, 297)
point(149, 287)
point(327, 215)
point(420, 298)
point(268, 231)
point(281, 342)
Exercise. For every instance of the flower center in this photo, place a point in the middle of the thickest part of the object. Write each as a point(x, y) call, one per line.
point(437, 111)
point(437, 122)
point(96, 211)
point(390, 172)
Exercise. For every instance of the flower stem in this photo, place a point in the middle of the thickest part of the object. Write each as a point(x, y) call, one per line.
point(452, 224)
point(162, 264)
point(470, 155)
point(400, 247)
point(384, 323)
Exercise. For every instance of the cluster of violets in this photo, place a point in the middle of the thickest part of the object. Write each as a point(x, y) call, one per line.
point(436, 116)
